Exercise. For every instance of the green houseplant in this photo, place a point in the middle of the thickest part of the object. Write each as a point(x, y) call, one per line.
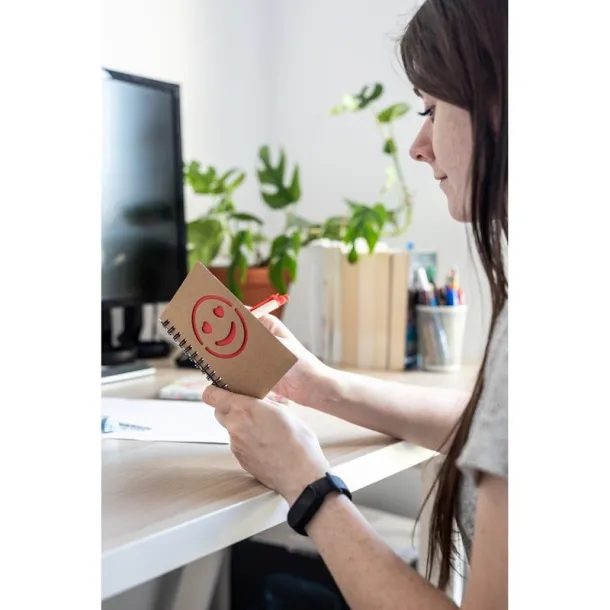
point(371, 222)
point(238, 237)
point(223, 232)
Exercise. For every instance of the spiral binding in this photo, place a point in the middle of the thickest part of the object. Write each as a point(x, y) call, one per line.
point(193, 356)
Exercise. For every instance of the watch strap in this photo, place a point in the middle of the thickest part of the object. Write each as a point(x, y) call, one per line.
point(312, 498)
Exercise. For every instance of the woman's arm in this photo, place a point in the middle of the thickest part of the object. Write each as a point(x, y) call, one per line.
point(421, 415)
point(371, 575)
point(271, 443)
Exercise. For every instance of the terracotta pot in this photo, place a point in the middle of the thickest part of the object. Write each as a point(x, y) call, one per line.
point(256, 288)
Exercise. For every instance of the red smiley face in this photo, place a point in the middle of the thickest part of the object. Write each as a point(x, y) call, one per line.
point(219, 327)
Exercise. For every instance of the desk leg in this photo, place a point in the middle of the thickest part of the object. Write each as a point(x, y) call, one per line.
point(167, 589)
point(194, 586)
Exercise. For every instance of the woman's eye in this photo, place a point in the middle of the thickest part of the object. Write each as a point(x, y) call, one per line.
point(428, 112)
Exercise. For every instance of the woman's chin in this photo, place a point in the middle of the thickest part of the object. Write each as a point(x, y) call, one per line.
point(458, 210)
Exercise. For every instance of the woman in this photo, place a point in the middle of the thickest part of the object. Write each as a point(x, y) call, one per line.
point(455, 54)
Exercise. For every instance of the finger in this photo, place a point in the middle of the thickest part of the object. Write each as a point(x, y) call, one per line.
point(217, 398)
point(221, 418)
point(275, 326)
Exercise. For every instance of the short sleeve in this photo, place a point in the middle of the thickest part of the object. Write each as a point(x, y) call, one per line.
point(486, 449)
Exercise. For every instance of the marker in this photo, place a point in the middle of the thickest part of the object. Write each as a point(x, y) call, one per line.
point(275, 301)
point(452, 297)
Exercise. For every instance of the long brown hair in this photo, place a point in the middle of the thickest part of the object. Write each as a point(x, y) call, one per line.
point(457, 52)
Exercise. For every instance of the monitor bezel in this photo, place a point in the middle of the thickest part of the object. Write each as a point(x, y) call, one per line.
point(174, 90)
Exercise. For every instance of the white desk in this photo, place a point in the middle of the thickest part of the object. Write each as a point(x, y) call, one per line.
point(165, 505)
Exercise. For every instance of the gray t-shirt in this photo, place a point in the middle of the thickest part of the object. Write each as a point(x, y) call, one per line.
point(486, 450)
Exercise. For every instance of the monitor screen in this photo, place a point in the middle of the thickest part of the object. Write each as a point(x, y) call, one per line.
point(143, 234)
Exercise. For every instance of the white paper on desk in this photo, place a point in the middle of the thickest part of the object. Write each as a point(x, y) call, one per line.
point(173, 421)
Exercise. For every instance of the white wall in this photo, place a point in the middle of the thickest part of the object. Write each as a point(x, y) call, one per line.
point(322, 50)
point(218, 53)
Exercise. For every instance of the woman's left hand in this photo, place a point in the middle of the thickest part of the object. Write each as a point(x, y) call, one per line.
point(271, 443)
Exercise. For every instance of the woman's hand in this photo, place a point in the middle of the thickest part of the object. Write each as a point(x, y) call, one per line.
point(269, 442)
point(309, 381)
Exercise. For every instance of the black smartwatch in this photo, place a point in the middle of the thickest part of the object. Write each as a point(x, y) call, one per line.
point(310, 500)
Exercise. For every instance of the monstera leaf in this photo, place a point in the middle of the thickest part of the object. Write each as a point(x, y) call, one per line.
point(270, 175)
point(209, 182)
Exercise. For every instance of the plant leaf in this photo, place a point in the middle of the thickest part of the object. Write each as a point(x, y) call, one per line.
point(365, 99)
point(239, 180)
point(295, 185)
point(241, 245)
point(334, 227)
point(283, 259)
point(281, 168)
point(224, 206)
point(367, 223)
point(359, 101)
point(205, 236)
point(223, 179)
point(354, 205)
point(371, 236)
point(393, 112)
point(209, 182)
point(268, 175)
point(389, 147)
point(294, 220)
point(276, 276)
point(246, 217)
point(382, 213)
point(242, 242)
point(275, 201)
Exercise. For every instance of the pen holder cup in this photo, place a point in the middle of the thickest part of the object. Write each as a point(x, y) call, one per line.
point(440, 337)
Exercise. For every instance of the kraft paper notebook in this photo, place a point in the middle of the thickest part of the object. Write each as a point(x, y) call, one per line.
point(222, 338)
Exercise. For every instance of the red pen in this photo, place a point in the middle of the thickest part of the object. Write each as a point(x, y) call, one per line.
point(270, 304)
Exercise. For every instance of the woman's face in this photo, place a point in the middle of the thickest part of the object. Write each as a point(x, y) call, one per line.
point(445, 143)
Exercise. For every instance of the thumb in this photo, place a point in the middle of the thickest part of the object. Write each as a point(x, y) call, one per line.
point(275, 326)
point(217, 398)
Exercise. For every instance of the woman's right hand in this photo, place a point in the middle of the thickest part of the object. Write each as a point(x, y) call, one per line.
point(309, 381)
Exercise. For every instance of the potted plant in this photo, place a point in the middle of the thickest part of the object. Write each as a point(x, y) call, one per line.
point(255, 265)
point(233, 245)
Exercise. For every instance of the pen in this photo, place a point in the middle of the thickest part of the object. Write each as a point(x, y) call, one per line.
point(275, 301)
point(110, 424)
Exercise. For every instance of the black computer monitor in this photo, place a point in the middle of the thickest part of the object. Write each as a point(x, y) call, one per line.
point(143, 228)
